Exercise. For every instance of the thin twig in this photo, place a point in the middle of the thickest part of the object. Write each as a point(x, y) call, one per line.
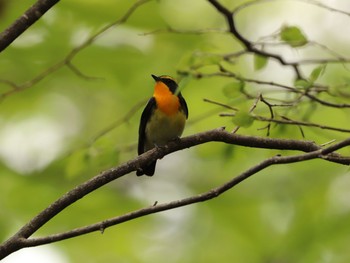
point(302, 123)
point(220, 104)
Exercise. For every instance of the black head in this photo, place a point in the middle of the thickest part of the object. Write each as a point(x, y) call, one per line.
point(167, 80)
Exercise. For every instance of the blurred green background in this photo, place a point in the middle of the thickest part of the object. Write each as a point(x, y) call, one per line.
point(287, 213)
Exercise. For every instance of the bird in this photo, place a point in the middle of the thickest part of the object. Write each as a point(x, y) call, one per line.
point(163, 119)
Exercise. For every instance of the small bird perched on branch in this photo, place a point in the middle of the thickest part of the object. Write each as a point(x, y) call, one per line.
point(162, 120)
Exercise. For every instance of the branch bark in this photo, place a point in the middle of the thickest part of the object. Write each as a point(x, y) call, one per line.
point(24, 21)
point(21, 238)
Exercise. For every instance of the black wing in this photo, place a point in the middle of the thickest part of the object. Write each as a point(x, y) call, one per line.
point(146, 114)
point(183, 105)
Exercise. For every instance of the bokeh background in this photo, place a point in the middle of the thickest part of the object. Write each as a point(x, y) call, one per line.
point(71, 125)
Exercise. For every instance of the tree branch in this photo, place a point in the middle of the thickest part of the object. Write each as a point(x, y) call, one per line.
point(20, 239)
point(212, 193)
point(229, 16)
point(24, 21)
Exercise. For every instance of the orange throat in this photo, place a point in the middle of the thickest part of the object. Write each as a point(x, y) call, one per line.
point(167, 102)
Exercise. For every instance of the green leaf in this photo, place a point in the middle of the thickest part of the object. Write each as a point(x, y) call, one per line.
point(260, 62)
point(317, 72)
point(233, 89)
point(302, 83)
point(293, 36)
point(243, 119)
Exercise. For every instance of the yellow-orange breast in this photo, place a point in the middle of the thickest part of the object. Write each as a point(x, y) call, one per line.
point(166, 101)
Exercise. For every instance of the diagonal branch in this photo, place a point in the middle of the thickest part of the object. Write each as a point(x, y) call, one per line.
point(24, 21)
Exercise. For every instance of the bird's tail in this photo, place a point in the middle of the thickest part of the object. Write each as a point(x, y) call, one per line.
point(147, 170)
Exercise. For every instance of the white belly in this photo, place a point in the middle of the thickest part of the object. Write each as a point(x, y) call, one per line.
point(163, 128)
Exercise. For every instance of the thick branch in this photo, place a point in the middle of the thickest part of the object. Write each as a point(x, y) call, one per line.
point(24, 21)
point(20, 239)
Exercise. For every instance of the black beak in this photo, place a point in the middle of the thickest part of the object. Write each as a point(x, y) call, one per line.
point(155, 77)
